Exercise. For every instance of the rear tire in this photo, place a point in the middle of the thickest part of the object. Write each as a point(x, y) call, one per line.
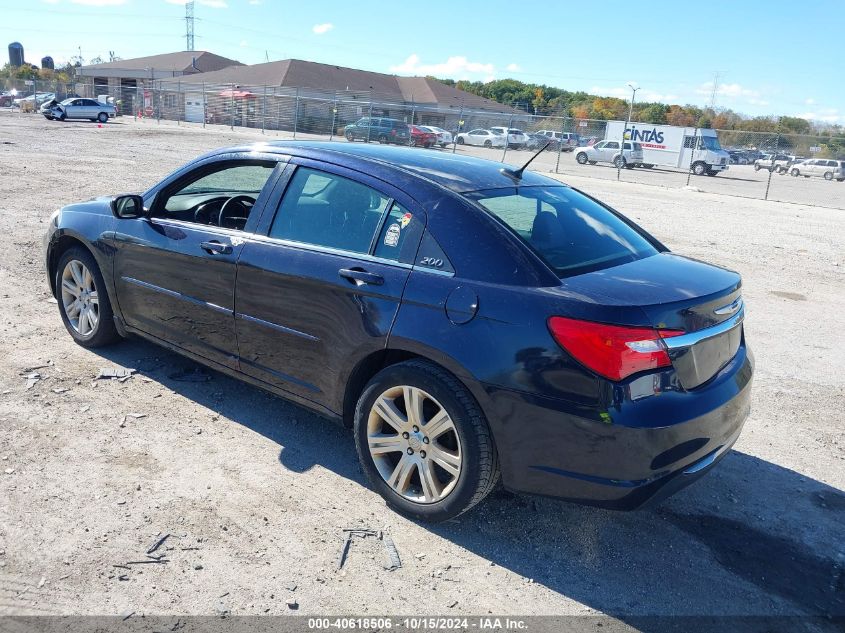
point(350, 137)
point(83, 300)
point(795, 173)
point(103, 117)
point(382, 139)
point(828, 175)
point(756, 167)
point(619, 162)
point(464, 442)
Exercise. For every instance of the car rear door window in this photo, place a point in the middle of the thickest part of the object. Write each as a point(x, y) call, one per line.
point(394, 232)
point(325, 209)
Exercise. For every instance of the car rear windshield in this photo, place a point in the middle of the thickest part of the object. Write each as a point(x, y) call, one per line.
point(571, 232)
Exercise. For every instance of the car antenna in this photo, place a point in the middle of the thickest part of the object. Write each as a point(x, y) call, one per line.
point(516, 174)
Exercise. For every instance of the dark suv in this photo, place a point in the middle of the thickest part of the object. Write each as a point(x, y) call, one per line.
point(383, 130)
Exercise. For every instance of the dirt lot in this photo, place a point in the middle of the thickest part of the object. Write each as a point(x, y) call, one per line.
point(255, 492)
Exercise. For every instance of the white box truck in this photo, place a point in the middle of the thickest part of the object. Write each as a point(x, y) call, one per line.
point(691, 148)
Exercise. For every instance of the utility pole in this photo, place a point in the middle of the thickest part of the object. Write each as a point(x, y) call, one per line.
point(189, 25)
point(631, 106)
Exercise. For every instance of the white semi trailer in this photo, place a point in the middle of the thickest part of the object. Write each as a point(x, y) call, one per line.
point(696, 149)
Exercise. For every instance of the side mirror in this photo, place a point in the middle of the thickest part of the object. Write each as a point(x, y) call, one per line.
point(128, 206)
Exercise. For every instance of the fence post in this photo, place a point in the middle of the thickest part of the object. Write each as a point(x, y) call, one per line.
point(692, 154)
point(458, 129)
point(413, 114)
point(369, 127)
point(507, 138)
point(264, 109)
point(772, 168)
point(158, 109)
point(204, 106)
point(296, 114)
point(560, 142)
point(232, 112)
point(334, 117)
point(622, 150)
point(179, 105)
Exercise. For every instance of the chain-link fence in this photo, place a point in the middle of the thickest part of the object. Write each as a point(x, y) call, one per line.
point(806, 169)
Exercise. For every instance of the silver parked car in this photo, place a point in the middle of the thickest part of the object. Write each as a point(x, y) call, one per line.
point(608, 152)
point(81, 108)
point(820, 167)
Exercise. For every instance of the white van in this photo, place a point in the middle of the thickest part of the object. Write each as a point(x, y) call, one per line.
point(696, 149)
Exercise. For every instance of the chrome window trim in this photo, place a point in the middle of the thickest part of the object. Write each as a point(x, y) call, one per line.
point(691, 338)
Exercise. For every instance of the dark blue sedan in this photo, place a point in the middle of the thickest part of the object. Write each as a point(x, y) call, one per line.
point(471, 323)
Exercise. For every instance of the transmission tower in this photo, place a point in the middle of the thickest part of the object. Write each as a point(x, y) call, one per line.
point(189, 25)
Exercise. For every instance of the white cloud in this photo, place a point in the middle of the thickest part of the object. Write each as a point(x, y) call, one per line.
point(758, 102)
point(322, 29)
point(810, 101)
point(729, 91)
point(244, 43)
point(514, 68)
point(624, 92)
point(254, 2)
point(213, 4)
point(456, 67)
point(98, 3)
point(826, 115)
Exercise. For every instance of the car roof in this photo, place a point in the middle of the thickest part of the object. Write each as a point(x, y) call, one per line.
point(456, 172)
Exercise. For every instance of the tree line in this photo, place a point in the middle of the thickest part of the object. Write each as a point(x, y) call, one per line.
point(551, 101)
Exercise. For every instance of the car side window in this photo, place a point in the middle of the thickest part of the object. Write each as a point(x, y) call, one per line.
point(612, 145)
point(221, 194)
point(328, 210)
point(394, 232)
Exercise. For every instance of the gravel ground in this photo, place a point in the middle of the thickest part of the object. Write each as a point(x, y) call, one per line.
point(255, 492)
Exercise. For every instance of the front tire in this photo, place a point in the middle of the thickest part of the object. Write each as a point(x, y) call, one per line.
point(488, 144)
point(460, 140)
point(423, 442)
point(103, 117)
point(619, 162)
point(828, 175)
point(699, 169)
point(581, 158)
point(83, 300)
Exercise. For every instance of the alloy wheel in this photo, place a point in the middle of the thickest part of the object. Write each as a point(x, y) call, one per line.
point(414, 444)
point(80, 300)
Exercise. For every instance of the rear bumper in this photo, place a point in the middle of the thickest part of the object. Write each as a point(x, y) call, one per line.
point(650, 442)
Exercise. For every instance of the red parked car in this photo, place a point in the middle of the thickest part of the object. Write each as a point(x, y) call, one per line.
point(421, 138)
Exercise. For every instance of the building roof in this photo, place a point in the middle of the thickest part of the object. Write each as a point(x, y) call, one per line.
point(296, 73)
point(168, 64)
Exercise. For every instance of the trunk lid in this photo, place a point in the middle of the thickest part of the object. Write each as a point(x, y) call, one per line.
point(676, 293)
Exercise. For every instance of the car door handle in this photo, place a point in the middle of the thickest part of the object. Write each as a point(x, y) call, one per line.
point(360, 276)
point(215, 247)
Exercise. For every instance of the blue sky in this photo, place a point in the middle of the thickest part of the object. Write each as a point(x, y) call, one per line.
point(670, 49)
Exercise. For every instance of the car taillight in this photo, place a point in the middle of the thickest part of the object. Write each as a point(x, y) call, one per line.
point(612, 351)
